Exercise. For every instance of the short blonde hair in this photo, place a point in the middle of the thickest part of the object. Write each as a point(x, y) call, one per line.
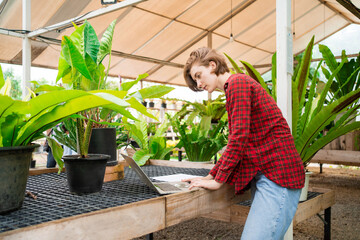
point(203, 56)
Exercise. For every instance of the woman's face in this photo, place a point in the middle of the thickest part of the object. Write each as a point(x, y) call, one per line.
point(204, 77)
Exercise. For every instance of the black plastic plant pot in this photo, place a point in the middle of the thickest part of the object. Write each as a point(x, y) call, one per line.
point(151, 104)
point(163, 105)
point(85, 175)
point(14, 172)
point(103, 141)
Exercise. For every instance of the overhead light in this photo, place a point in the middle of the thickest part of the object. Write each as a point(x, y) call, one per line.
point(231, 39)
point(104, 2)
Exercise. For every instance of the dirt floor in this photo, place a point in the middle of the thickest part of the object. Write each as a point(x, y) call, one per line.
point(345, 214)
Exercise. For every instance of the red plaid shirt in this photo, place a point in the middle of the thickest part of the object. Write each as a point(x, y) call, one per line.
point(259, 139)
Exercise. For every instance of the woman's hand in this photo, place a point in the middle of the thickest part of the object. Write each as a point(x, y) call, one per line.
point(190, 180)
point(205, 183)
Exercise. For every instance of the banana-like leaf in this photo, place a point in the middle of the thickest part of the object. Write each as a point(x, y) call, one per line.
point(48, 88)
point(57, 152)
point(140, 108)
point(126, 86)
point(155, 91)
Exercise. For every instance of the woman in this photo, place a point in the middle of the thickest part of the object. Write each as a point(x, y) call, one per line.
point(260, 152)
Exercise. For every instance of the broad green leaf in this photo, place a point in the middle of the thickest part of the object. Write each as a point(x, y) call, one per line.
point(141, 156)
point(329, 59)
point(155, 91)
point(140, 108)
point(48, 88)
point(76, 59)
point(57, 152)
point(106, 42)
point(91, 42)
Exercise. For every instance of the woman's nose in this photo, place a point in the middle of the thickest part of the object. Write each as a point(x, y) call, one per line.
point(198, 84)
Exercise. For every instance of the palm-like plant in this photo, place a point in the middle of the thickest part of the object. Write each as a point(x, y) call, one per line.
point(311, 115)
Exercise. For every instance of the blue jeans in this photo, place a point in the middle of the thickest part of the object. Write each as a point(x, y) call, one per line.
point(272, 209)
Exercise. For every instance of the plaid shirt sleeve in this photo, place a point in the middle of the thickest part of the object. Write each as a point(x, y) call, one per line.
point(239, 112)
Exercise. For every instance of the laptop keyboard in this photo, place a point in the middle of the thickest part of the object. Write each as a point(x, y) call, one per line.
point(167, 187)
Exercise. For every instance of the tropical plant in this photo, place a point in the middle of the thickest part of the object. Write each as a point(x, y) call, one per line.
point(311, 115)
point(22, 122)
point(215, 109)
point(80, 66)
point(154, 146)
point(202, 141)
point(347, 79)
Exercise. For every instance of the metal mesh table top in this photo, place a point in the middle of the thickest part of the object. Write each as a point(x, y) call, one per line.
point(54, 201)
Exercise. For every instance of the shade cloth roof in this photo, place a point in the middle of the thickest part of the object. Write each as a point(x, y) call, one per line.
point(157, 36)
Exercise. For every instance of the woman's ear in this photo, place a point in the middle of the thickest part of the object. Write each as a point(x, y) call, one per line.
point(212, 65)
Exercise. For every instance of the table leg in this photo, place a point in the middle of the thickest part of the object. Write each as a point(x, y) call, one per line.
point(150, 236)
point(327, 225)
point(321, 167)
point(180, 155)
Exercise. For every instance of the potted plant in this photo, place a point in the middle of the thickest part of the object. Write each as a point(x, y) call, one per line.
point(312, 110)
point(22, 122)
point(80, 66)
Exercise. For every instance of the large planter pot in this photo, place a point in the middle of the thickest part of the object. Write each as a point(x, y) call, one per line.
point(103, 141)
point(14, 171)
point(85, 175)
point(304, 190)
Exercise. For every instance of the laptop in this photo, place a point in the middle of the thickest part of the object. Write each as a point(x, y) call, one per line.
point(160, 187)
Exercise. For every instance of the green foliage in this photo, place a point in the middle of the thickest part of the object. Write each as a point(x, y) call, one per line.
point(80, 66)
point(202, 141)
point(347, 78)
point(153, 147)
point(13, 84)
point(314, 108)
point(214, 109)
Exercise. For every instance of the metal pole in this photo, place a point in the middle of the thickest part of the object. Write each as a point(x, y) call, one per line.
point(284, 64)
point(26, 48)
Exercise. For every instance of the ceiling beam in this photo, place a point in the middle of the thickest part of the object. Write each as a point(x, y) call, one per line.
point(349, 6)
point(54, 41)
point(81, 18)
point(336, 11)
point(205, 32)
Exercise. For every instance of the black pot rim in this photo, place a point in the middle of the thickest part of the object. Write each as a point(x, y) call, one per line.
point(91, 157)
point(16, 148)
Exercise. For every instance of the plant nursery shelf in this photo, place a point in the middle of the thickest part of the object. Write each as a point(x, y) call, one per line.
point(124, 209)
